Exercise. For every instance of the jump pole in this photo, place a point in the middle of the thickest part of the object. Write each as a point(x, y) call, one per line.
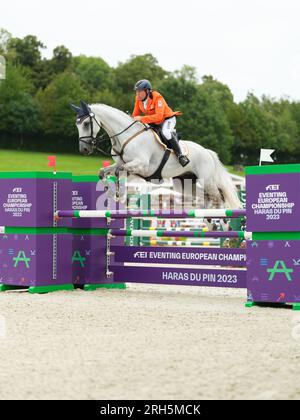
point(123, 214)
point(189, 234)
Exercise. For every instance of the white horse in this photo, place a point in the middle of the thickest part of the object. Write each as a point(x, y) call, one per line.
point(136, 150)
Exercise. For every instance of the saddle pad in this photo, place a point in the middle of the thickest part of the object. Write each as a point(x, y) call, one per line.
point(183, 145)
point(184, 148)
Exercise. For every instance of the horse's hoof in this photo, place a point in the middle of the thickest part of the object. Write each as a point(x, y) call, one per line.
point(118, 170)
point(117, 197)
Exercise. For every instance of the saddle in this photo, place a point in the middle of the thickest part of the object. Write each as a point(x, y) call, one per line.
point(158, 131)
point(166, 144)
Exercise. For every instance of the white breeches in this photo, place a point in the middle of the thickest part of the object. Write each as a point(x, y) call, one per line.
point(168, 126)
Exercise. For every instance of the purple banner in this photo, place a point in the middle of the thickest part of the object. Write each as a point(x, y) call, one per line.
point(30, 202)
point(180, 276)
point(88, 259)
point(35, 260)
point(273, 203)
point(224, 257)
point(273, 273)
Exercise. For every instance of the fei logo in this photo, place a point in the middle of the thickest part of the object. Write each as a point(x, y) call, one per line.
point(273, 188)
point(17, 190)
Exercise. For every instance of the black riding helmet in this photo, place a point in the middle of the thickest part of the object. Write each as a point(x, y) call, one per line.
point(143, 85)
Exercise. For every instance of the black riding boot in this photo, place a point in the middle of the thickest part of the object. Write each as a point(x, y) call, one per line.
point(183, 160)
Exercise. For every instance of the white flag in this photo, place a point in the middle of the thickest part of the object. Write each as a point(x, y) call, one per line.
point(265, 156)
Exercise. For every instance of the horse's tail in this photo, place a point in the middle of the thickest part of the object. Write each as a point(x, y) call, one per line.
point(225, 184)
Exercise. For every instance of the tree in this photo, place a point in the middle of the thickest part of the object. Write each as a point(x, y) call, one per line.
point(62, 59)
point(5, 37)
point(219, 91)
point(253, 129)
point(285, 130)
point(57, 117)
point(209, 125)
point(180, 87)
point(295, 112)
point(95, 74)
point(27, 50)
point(19, 111)
point(204, 119)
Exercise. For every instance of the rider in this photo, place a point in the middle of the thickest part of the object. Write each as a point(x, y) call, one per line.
point(156, 111)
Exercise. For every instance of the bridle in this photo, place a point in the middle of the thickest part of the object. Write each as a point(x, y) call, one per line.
point(96, 142)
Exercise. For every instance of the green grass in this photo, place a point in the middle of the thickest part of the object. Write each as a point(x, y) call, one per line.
point(239, 173)
point(14, 160)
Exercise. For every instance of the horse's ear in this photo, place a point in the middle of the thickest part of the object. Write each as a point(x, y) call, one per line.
point(86, 109)
point(76, 109)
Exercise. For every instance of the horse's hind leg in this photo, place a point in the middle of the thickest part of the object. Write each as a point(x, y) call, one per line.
point(211, 196)
point(214, 198)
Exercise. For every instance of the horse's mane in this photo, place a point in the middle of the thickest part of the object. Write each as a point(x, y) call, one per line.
point(120, 114)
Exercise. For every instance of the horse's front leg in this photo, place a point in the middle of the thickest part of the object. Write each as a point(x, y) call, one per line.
point(137, 166)
point(110, 170)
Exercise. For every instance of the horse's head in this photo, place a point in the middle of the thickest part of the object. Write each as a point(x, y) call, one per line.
point(88, 128)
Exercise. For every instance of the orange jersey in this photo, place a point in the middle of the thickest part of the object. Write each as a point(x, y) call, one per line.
point(156, 111)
